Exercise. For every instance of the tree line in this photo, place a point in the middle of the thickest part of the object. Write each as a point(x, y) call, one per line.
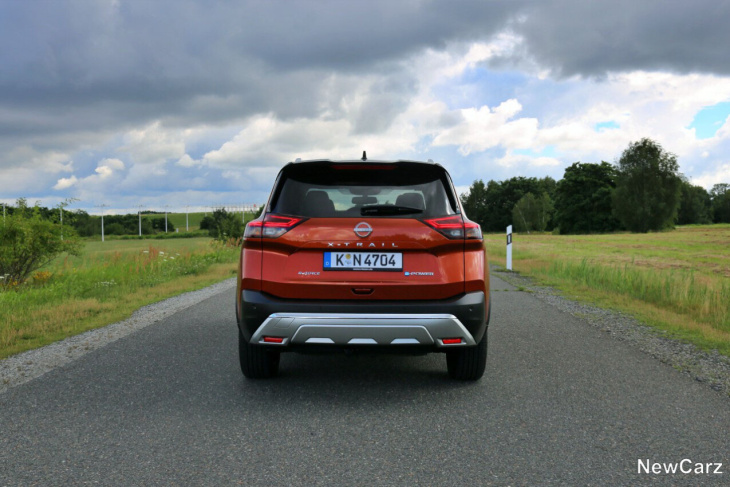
point(644, 191)
point(221, 224)
point(85, 225)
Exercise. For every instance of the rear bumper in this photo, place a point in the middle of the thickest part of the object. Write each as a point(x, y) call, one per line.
point(363, 323)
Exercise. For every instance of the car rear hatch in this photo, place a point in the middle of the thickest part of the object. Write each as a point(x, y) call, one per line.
point(368, 231)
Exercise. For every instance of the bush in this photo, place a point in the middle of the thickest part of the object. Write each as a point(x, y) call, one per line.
point(28, 242)
point(224, 225)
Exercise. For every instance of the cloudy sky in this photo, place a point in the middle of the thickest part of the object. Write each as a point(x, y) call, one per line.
point(195, 102)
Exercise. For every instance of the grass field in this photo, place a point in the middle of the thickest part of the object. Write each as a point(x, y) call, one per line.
point(678, 281)
point(105, 284)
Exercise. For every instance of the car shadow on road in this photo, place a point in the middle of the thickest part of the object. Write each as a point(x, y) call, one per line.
point(358, 380)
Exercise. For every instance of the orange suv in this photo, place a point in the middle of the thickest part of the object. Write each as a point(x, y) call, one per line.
point(363, 256)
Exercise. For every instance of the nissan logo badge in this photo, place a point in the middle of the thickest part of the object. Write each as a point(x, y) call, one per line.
point(362, 229)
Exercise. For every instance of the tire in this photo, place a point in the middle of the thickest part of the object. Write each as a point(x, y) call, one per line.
point(468, 363)
point(257, 362)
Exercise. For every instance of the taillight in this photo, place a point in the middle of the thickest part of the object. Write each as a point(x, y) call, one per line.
point(271, 226)
point(456, 228)
point(472, 230)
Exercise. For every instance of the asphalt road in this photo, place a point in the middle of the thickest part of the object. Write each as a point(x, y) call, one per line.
point(561, 404)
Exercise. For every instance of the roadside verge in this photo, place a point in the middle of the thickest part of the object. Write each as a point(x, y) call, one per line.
point(26, 366)
point(709, 368)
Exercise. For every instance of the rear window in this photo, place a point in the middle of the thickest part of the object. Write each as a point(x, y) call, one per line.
point(394, 190)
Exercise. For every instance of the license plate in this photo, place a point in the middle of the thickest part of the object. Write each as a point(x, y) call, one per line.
point(363, 261)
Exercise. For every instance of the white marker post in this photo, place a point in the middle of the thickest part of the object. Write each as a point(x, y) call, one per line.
point(509, 248)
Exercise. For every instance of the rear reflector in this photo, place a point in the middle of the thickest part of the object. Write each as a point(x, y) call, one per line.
point(273, 340)
point(451, 341)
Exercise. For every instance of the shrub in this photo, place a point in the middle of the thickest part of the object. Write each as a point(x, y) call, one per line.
point(28, 242)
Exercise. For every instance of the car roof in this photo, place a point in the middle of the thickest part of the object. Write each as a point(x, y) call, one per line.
point(360, 161)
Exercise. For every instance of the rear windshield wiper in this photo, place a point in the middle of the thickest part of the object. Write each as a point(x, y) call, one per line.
point(388, 210)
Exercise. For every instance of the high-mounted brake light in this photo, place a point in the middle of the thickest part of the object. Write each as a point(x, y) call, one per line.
point(271, 226)
point(455, 228)
point(360, 167)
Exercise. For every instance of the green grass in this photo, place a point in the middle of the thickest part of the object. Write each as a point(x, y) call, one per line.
point(677, 281)
point(108, 282)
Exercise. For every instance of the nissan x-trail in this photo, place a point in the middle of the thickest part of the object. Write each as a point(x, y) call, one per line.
point(363, 256)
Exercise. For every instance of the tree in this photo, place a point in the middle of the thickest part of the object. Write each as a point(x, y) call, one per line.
point(158, 224)
point(491, 205)
point(85, 225)
point(647, 187)
point(224, 225)
point(475, 203)
point(28, 242)
point(531, 213)
point(720, 194)
point(114, 229)
point(694, 204)
point(583, 199)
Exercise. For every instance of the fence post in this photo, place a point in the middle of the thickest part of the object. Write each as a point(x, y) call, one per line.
point(509, 248)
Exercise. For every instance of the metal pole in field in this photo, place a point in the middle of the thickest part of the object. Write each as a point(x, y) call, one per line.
point(187, 227)
point(166, 207)
point(139, 213)
point(102, 220)
point(509, 248)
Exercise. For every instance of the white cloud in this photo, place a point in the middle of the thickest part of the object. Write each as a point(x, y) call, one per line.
point(721, 174)
point(187, 161)
point(481, 129)
point(266, 141)
point(107, 168)
point(153, 144)
point(105, 173)
point(512, 160)
point(65, 183)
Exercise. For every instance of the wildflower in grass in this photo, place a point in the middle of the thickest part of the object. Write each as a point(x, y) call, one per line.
point(41, 277)
point(106, 283)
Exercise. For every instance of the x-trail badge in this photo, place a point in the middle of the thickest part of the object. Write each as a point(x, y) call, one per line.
point(362, 229)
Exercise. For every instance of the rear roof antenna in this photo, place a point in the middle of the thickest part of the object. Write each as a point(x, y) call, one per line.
point(364, 156)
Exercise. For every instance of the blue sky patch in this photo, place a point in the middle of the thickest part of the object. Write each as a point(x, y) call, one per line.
point(479, 86)
point(709, 120)
point(601, 126)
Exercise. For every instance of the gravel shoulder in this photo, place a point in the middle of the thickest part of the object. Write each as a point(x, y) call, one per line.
point(26, 366)
point(709, 368)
